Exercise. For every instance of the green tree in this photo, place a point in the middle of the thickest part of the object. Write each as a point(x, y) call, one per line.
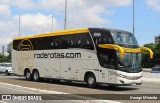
point(157, 54)
point(7, 58)
point(9, 50)
point(146, 61)
point(3, 58)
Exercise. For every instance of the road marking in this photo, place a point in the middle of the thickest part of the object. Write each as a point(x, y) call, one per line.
point(18, 90)
point(3, 101)
point(52, 92)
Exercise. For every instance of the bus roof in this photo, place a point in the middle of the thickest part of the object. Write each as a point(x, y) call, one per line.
point(109, 30)
point(56, 33)
point(66, 32)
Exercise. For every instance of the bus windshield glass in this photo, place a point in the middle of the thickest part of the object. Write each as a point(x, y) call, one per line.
point(123, 38)
point(130, 63)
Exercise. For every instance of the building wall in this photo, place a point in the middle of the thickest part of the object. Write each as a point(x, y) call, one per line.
point(157, 39)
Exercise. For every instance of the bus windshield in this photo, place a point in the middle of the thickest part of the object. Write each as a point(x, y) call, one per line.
point(130, 63)
point(124, 38)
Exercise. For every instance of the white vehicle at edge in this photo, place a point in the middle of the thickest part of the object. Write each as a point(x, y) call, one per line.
point(6, 68)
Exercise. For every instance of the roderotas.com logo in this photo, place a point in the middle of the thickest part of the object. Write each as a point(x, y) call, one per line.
point(57, 55)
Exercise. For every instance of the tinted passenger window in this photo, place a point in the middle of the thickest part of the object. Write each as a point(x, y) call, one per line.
point(83, 41)
point(35, 43)
point(66, 41)
point(101, 37)
point(41, 44)
point(15, 44)
point(107, 58)
point(52, 42)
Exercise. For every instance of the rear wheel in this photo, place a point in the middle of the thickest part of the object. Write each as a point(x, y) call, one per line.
point(28, 75)
point(91, 80)
point(36, 77)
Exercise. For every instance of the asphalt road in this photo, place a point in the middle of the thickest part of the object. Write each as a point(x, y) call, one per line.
point(74, 88)
point(15, 91)
point(145, 88)
point(4, 89)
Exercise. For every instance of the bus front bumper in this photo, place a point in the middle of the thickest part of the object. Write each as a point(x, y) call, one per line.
point(127, 81)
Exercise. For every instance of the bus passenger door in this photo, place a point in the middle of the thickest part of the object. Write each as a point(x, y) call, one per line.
point(107, 67)
point(112, 71)
point(103, 75)
point(103, 67)
point(112, 76)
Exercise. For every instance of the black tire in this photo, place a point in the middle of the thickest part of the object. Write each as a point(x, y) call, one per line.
point(36, 77)
point(68, 81)
point(6, 72)
point(112, 86)
point(28, 75)
point(55, 80)
point(91, 80)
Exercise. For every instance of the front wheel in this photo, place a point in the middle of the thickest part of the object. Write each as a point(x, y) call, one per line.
point(36, 76)
point(91, 80)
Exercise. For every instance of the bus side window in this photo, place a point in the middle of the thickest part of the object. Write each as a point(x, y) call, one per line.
point(48, 43)
point(52, 43)
point(83, 41)
point(16, 44)
point(37, 43)
point(56, 43)
point(26, 43)
point(104, 60)
point(70, 43)
point(41, 44)
point(104, 38)
point(66, 41)
point(76, 41)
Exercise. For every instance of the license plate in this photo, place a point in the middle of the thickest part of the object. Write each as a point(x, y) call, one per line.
point(133, 84)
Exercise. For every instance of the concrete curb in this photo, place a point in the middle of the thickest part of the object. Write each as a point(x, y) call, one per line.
point(55, 92)
point(153, 80)
point(146, 70)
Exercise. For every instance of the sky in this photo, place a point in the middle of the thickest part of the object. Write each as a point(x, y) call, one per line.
point(36, 16)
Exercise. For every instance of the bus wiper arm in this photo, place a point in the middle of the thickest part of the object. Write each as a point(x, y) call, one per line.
point(147, 49)
point(113, 46)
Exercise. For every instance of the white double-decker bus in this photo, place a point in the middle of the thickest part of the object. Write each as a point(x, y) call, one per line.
point(91, 55)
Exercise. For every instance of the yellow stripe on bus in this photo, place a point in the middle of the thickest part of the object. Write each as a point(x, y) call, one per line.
point(56, 33)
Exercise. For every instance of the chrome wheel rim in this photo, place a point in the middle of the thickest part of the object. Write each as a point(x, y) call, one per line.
point(28, 75)
point(36, 76)
point(90, 80)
